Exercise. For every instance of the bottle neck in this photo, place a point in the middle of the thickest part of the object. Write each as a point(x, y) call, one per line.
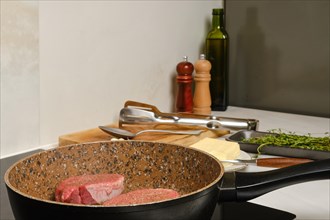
point(218, 21)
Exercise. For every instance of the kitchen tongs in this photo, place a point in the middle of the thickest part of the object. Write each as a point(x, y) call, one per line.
point(142, 113)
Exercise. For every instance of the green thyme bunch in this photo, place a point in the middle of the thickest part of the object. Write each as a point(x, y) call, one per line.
point(290, 139)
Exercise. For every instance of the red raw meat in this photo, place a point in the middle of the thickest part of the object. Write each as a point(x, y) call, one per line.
point(89, 189)
point(142, 196)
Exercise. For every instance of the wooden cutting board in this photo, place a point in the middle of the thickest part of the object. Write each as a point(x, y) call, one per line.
point(96, 134)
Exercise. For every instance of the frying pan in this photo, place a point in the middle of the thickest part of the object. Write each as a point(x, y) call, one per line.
point(199, 178)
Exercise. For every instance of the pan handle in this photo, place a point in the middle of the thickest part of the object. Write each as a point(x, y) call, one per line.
point(243, 186)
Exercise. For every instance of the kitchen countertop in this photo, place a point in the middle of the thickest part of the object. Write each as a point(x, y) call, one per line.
point(308, 201)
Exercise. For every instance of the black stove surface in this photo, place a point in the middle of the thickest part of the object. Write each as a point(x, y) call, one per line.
point(250, 211)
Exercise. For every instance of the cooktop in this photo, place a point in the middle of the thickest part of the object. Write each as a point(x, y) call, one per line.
point(247, 210)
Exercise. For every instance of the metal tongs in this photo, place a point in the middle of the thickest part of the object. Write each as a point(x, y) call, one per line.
point(141, 113)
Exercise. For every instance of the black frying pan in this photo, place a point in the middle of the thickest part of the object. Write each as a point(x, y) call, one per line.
point(198, 177)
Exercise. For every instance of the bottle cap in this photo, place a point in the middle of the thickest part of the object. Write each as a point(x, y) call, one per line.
point(217, 11)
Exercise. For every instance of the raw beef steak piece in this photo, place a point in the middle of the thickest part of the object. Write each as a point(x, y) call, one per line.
point(142, 196)
point(89, 189)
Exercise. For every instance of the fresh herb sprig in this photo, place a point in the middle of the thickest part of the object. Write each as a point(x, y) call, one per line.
point(279, 138)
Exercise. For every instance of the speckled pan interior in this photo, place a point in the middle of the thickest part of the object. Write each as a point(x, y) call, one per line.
point(143, 164)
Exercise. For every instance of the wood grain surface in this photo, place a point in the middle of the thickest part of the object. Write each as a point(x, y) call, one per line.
point(96, 134)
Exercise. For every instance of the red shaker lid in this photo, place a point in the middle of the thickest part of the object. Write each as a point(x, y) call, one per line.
point(185, 70)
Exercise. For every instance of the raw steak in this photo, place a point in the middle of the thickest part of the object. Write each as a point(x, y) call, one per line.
point(142, 196)
point(89, 189)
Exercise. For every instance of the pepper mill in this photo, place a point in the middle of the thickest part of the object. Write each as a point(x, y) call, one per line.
point(184, 99)
point(202, 96)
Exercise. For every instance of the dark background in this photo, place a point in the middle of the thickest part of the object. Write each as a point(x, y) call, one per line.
point(279, 55)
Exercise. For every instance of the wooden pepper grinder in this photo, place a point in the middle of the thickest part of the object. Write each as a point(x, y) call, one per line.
point(202, 96)
point(184, 99)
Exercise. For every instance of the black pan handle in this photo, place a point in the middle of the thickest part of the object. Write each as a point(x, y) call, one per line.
point(243, 186)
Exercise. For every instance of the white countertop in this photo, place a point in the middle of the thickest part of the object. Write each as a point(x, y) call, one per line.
point(308, 201)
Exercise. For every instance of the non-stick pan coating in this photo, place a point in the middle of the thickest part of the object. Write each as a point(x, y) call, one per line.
point(192, 173)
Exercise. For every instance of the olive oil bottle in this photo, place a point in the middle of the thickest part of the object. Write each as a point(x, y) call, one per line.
point(217, 46)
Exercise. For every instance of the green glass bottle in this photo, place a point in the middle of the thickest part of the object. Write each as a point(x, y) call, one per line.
point(217, 46)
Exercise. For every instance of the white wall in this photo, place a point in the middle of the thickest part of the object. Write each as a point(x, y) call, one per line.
point(19, 76)
point(95, 55)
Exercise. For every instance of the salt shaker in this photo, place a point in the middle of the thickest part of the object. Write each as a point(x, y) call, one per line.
point(184, 99)
point(202, 96)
